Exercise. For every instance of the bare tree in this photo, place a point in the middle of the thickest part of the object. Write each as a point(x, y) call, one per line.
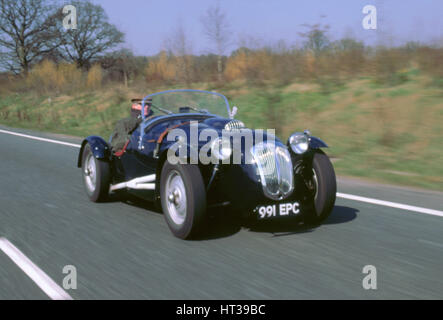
point(180, 46)
point(123, 64)
point(28, 30)
point(316, 38)
point(217, 30)
point(94, 35)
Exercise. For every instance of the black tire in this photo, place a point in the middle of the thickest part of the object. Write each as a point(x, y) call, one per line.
point(326, 189)
point(99, 191)
point(192, 221)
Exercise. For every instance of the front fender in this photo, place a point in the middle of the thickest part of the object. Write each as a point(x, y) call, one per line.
point(317, 143)
point(190, 154)
point(100, 149)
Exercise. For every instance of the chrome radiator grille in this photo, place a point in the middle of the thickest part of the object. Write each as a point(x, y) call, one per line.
point(274, 166)
point(234, 125)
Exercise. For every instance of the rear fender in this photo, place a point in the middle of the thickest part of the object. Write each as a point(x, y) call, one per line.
point(100, 149)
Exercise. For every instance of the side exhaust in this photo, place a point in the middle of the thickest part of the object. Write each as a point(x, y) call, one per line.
point(141, 183)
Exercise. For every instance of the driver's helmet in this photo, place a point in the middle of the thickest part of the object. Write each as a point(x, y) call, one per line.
point(136, 108)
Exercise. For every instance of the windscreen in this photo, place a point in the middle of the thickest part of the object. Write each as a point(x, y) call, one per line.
point(195, 101)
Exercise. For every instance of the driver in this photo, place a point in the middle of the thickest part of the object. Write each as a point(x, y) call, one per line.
point(125, 127)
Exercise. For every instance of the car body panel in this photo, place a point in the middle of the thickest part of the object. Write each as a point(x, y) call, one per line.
point(317, 143)
point(99, 147)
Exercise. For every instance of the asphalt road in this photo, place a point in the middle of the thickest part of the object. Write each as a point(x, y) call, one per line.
point(124, 250)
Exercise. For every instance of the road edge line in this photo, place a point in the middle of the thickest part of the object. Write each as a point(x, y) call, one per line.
point(40, 278)
point(40, 139)
point(390, 204)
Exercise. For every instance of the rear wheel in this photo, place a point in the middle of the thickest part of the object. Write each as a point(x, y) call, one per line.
point(323, 188)
point(183, 199)
point(96, 176)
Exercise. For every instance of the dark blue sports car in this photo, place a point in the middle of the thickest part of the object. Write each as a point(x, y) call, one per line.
point(189, 154)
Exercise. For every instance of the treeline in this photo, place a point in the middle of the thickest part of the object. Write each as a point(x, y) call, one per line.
point(330, 68)
point(344, 59)
point(39, 54)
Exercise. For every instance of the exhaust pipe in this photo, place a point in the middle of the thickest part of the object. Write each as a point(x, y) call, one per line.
point(141, 183)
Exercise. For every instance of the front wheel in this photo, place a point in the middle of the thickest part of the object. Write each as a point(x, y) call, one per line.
point(323, 188)
point(183, 199)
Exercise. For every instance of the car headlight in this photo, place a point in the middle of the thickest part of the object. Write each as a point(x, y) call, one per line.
point(299, 142)
point(221, 148)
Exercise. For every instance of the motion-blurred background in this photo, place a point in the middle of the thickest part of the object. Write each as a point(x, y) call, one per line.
point(375, 96)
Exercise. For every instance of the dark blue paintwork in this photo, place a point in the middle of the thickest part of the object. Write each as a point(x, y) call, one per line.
point(99, 148)
point(317, 143)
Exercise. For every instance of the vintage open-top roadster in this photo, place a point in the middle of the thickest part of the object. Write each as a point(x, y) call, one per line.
point(189, 154)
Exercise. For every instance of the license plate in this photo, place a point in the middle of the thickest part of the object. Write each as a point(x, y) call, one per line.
point(278, 210)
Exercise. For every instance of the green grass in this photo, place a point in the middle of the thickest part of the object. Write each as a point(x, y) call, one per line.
point(399, 92)
point(385, 133)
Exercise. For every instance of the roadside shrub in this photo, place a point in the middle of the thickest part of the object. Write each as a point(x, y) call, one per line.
point(71, 75)
point(161, 68)
point(183, 68)
point(254, 66)
point(236, 66)
point(94, 78)
point(391, 67)
point(430, 61)
point(45, 78)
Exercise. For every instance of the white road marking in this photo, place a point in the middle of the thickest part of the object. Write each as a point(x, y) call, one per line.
point(41, 139)
point(339, 195)
point(390, 204)
point(52, 289)
point(432, 243)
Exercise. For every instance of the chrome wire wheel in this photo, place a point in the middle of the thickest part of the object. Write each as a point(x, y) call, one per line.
point(312, 184)
point(175, 194)
point(183, 199)
point(90, 173)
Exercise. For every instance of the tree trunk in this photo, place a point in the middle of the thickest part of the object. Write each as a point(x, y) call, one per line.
point(125, 78)
point(220, 68)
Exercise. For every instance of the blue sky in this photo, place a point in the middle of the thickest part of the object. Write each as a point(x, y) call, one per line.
point(148, 22)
